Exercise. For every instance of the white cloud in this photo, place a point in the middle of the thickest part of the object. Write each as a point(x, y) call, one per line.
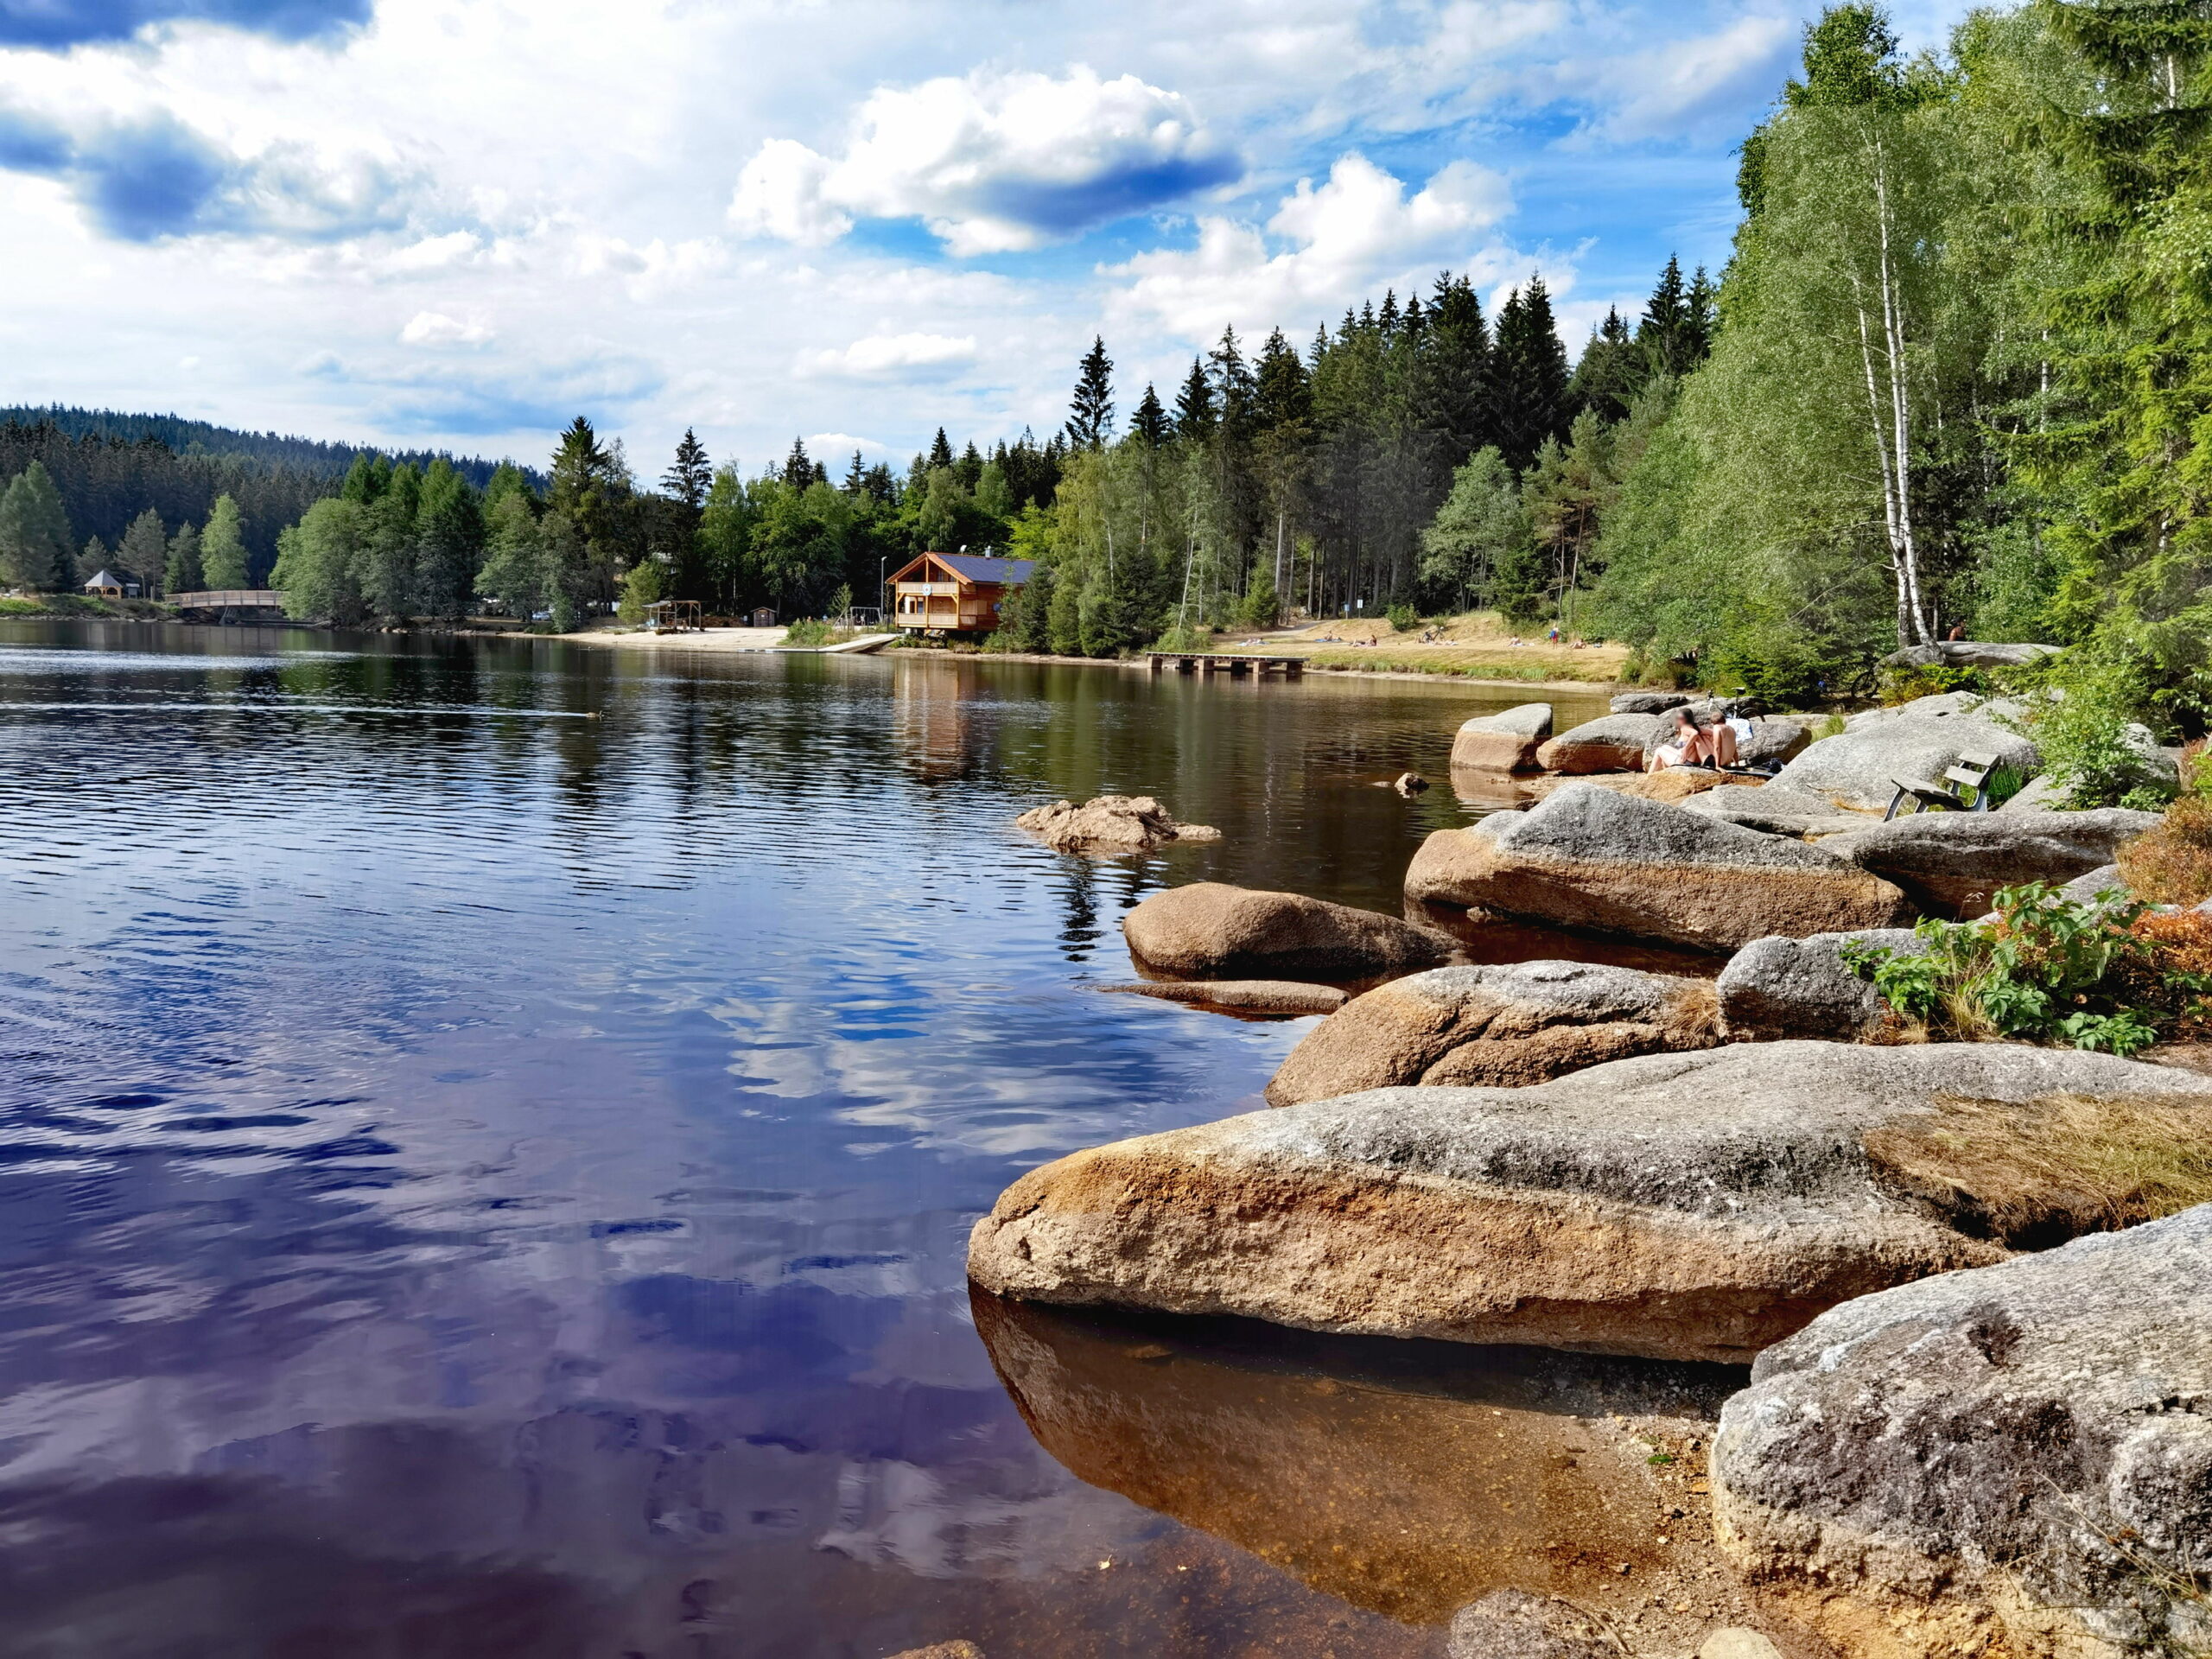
point(991, 164)
point(1691, 83)
point(1349, 236)
point(894, 357)
point(436, 329)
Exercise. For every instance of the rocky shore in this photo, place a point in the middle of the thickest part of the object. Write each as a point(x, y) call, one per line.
point(1972, 1280)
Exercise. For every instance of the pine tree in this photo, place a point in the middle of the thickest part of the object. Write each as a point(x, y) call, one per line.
point(1529, 379)
point(182, 573)
point(690, 473)
point(93, 560)
point(798, 466)
point(1194, 406)
point(940, 451)
point(1704, 314)
point(1150, 425)
point(856, 476)
point(1091, 413)
point(222, 548)
point(144, 551)
point(1665, 334)
point(1452, 396)
point(34, 535)
point(448, 543)
point(1613, 370)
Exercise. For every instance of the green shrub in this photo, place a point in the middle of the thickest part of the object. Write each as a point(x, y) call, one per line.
point(1403, 618)
point(809, 631)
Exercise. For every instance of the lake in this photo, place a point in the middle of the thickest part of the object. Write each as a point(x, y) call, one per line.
point(489, 1131)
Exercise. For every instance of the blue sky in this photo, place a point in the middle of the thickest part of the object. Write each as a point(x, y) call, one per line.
point(459, 222)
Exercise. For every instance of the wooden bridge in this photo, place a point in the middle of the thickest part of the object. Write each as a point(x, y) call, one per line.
point(223, 600)
point(1224, 662)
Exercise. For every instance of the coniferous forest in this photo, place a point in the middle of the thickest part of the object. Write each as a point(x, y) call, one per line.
point(1957, 375)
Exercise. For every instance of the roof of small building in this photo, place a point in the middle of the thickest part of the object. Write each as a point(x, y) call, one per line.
point(102, 579)
point(975, 567)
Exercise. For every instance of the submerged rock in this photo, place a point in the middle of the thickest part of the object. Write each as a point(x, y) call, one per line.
point(1286, 997)
point(1210, 927)
point(1592, 858)
point(1677, 1206)
point(1513, 1624)
point(1509, 1025)
point(1612, 743)
point(1952, 863)
point(1503, 742)
point(2031, 1440)
point(1776, 988)
point(1111, 823)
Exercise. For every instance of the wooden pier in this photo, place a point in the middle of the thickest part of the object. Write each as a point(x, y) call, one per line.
point(1224, 662)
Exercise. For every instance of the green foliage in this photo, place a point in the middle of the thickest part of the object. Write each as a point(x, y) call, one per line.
point(642, 587)
point(1479, 530)
point(1402, 618)
point(2042, 971)
point(2093, 749)
point(182, 574)
point(809, 631)
point(35, 543)
point(222, 547)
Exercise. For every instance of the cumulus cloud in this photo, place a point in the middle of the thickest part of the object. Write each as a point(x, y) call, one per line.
point(992, 163)
point(58, 24)
point(894, 357)
point(151, 177)
point(1348, 235)
point(436, 329)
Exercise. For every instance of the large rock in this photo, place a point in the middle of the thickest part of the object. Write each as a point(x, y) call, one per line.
point(1860, 766)
point(1777, 811)
point(1967, 653)
point(1109, 824)
point(1211, 928)
point(1778, 988)
point(1648, 702)
point(2031, 1441)
point(1774, 739)
point(1612, 743)
point(1672, 784)
point(1682, 1206)
point(1953, 862)
point(1509, 1025)
point(1503, 742)
point(1590, 858)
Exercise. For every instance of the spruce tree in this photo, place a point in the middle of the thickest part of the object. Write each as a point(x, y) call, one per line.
point(222, 548)
point(1665, 332)
point(182, 573)
point(798, 466)
point(940, 451)
point(1529, 380)
point(144, 551)
point(1090, 411)
point(1451, 381)
point(34, 535)
point(690, 473)
point(1150, 425)
point(1194, 406)
point(93, 560)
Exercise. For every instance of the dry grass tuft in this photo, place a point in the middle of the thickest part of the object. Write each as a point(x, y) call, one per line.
point(2173, 864)
point(2036, 1175)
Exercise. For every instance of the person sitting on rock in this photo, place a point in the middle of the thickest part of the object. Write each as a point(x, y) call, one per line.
point(1692, 745)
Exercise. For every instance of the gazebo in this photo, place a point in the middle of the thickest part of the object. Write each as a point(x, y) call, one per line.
point(104, 584)
point(674, 616)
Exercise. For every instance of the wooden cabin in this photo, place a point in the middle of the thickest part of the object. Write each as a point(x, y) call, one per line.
point(954, 593)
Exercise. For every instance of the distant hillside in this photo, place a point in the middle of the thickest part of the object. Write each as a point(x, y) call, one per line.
point(201, 438)
point(111, 467)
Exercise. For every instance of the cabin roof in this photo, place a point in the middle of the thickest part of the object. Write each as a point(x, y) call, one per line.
point(974, 566)
point(102, 579)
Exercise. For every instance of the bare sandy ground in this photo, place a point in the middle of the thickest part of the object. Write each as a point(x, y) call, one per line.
point(716, 641)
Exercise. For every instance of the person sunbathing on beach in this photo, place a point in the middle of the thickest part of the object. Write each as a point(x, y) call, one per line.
point(1692, 745)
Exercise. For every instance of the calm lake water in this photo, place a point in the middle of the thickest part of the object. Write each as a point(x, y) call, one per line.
point(489, 1131)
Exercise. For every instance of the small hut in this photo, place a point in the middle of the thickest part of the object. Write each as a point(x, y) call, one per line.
point(764, 618)
point(105, 584)
point(674, 616)
point(955, 593)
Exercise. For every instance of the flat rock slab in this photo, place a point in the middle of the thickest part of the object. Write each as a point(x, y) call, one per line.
point(1678, 1206)
point(1776, 988)
point(1109, 824)
point(1285, 996)
point(1211, 928)
point(1859, 767)
point(1649, 702)
point(1952, 863)
point(1509, 1025)
point(2030, 1442)
point(1967, 653)
point(1612, 743)
point(1776, 811)
point(1592, 858)
point(1673, 784)
point(1503, 742)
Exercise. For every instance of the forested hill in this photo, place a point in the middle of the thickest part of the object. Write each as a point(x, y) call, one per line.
point(203, 438)
point(109, 467)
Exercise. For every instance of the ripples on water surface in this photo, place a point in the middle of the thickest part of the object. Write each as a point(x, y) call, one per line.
point(489, 1134)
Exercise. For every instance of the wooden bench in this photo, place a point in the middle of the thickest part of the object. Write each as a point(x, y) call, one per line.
point(1971, 777)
